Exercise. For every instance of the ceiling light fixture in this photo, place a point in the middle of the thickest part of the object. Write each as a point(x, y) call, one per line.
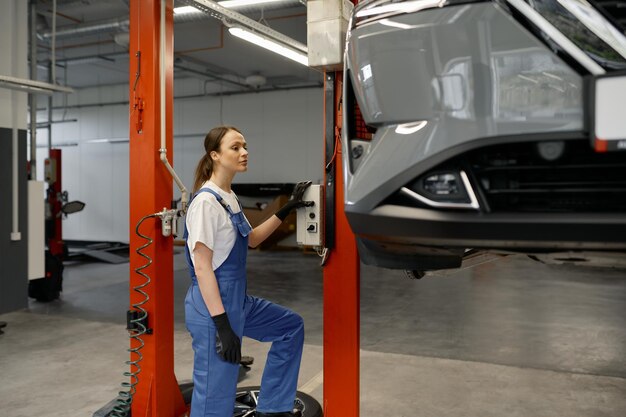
point(269, 44)
point(186, 10)
point(230, 4)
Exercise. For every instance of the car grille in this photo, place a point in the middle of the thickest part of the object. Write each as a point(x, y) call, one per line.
point(515, 177)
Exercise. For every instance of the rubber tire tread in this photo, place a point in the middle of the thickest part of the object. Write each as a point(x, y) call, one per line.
point(311, 405)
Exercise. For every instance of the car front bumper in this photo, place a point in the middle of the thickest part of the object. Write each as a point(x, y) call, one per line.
point(413, 238)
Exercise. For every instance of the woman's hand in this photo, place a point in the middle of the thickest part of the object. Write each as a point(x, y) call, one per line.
point(298, 193)
point(295, 200)
point(261, 232)
point(227, 343)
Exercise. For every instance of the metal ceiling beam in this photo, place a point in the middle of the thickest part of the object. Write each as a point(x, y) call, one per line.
point(211, 76)
point(220, 12)
point(101, 26)
point(247, 9)
point(187, 97)
point(120, 24)
point(30, 86)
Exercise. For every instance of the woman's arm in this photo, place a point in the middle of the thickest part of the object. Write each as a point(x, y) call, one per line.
point(228, 344)
point(263, 231)
point(203, 265)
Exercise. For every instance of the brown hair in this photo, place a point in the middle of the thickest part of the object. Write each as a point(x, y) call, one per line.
point(212, 142)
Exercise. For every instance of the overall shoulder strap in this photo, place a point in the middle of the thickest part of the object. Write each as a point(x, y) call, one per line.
point(217, 196)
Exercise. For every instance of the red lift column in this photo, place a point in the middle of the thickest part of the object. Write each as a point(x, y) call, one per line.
point(341, 274)
point(150, 191)
point(54, 224)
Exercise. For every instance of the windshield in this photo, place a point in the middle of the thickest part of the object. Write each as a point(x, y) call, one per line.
point(578, 20)
point(600, 40)
point(372, 10)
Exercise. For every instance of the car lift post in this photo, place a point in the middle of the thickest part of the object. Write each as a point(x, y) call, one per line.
point(341, 272)
point(157, 392)
point(54, 224)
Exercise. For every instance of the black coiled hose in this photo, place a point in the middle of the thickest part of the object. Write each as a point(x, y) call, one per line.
point(137, 329)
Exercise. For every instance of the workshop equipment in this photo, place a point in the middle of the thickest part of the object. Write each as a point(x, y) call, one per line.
point(57, 206)
point(153, 389)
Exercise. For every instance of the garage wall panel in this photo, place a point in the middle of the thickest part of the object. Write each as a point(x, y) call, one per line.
point(284, 135)
point(96, 188)
point(119, 197)
point(247, 112)
point(284, 130)
point(119, 129)
point(89, 124)
point(13, 253)
point(105, 127)
point(195, 117)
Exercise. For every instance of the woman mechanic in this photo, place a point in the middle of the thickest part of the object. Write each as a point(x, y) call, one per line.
point(218, 312)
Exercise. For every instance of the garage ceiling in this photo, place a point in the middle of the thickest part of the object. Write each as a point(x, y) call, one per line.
point(92, 38)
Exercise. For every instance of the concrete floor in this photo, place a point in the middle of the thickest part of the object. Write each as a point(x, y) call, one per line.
point(508, 338)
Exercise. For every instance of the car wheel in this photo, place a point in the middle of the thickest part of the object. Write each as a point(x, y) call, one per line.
point(246, 401)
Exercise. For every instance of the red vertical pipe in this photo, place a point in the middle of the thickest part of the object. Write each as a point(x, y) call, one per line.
point(341, 299)
point(157, 393)
point(55, 238)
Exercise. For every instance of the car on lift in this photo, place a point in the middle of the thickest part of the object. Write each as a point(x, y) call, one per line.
point(482, 126)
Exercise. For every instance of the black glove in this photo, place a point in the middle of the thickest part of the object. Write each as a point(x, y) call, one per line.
point(295, 200)
point(227, 343)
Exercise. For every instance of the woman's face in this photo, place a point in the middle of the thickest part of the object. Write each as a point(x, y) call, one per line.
point(233, 154)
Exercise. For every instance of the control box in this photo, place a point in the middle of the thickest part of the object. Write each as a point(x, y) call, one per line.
point(310, 221)
point(50, 170)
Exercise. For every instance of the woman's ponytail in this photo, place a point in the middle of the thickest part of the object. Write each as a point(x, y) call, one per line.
point(212, 142)
point(203, 172)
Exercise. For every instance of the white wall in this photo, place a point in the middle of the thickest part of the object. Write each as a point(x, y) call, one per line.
point(13, 38)
point(284, 130)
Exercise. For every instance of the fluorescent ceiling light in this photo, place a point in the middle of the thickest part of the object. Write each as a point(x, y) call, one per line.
point(271, 45)
point(185, 10)
point(229, 4)
point(240, 3)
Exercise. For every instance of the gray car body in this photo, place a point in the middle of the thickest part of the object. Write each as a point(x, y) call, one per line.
point(437, 83)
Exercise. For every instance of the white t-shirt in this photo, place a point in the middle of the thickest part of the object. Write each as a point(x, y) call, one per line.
point(208, 222)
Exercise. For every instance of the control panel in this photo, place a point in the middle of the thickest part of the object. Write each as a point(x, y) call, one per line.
point(310, 219)
point(50, 170)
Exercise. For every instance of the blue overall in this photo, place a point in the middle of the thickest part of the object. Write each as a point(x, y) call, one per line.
point(215, 380)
